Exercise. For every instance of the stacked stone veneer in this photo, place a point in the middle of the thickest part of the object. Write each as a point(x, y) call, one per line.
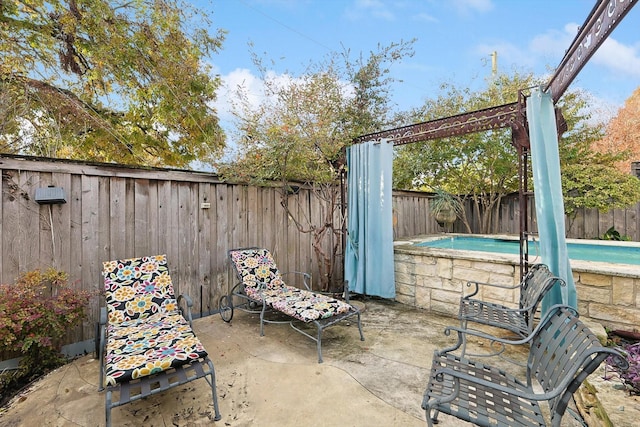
point(434, 279)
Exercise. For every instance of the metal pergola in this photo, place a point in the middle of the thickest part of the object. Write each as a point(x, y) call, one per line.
point(602, 20)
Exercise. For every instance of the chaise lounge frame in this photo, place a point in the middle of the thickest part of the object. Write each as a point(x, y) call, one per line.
point(141, 306)
point(261, 289)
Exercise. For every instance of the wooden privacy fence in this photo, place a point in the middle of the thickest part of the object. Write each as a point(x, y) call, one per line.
point(115, 212)
point(412, 218)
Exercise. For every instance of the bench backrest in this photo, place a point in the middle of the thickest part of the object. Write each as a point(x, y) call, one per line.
point(255, 267)
point(538, 281)
point(137, 288)
point(563, 353)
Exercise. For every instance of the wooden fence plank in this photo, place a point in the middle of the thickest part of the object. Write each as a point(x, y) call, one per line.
point(29, 221)
point(252, 216)
point(203, 267)
point(11, 195)
point(91, 255)
point(75, 234)
point(104, 222)
point(130, 221)
point(180, 271)
point(173, 230)
point(62, 225)
point(141, 217)
point(117, 216)
point(46, 228)
point(152, 218)
point(225, 278)
point(165, 220)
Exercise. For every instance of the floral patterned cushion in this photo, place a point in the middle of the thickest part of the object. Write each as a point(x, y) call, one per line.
point(138, 288)
point(146, 346)
point(146, 333)
point(256, 267)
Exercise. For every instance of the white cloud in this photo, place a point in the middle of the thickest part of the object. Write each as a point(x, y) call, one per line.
point(424, 17)
point(470, 6)
point(554, 43)
point(238, 79)
point(619, 58)
point(365, 9)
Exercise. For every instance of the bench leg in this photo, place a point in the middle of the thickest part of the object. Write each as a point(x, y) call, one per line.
point(431, 420)
point(360, 328)
point(107, 407)
point(264, 307)
point(214, 393)
point(319, 344)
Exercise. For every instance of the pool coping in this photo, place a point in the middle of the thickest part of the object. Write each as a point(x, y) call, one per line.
point(408, 246)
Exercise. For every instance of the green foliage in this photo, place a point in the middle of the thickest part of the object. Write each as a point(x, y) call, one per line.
point(483, 166)
point(109, 81)
point(443, 201)
point(598, 186)
point(300, 129)
point(613, 234)
point(35, 314)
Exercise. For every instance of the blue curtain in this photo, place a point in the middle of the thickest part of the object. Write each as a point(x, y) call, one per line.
point(368, 265)
point(548, 196)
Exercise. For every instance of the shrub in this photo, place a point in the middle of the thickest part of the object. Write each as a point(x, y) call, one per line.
point(630, 375)
point(35, 314)
point(613, 234)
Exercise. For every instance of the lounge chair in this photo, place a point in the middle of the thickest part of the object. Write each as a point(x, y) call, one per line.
point(261, 289)
point(147, 345)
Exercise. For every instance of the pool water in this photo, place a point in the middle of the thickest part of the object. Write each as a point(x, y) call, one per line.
point(577, 251)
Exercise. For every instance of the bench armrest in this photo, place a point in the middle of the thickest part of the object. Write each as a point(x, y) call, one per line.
point(188, 304)
point(477, 286)
point(474, 332)
point(529, 276)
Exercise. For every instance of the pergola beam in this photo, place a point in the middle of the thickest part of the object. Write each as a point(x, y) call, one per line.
point(602, 20)
point(461, 124)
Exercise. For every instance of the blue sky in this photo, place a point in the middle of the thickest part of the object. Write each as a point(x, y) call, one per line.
point(455, 39)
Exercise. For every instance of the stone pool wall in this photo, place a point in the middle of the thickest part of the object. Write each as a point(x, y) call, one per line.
point(434, 279)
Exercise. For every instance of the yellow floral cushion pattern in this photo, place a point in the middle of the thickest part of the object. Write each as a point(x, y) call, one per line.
point(258, 272)
point(256, 268)
point(146, 333)
point(138, 287)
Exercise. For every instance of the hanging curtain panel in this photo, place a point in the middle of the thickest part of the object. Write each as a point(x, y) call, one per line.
point(548, 196)
point(369, 267)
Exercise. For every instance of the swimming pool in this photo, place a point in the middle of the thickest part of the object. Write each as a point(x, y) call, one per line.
point(430, 274)
point(605, 251)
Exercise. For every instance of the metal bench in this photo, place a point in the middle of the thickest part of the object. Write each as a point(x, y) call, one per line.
point(519, 320)
point(261, 289)
point(563, 352)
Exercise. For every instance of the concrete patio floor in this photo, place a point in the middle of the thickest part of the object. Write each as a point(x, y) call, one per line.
point(273, 380)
